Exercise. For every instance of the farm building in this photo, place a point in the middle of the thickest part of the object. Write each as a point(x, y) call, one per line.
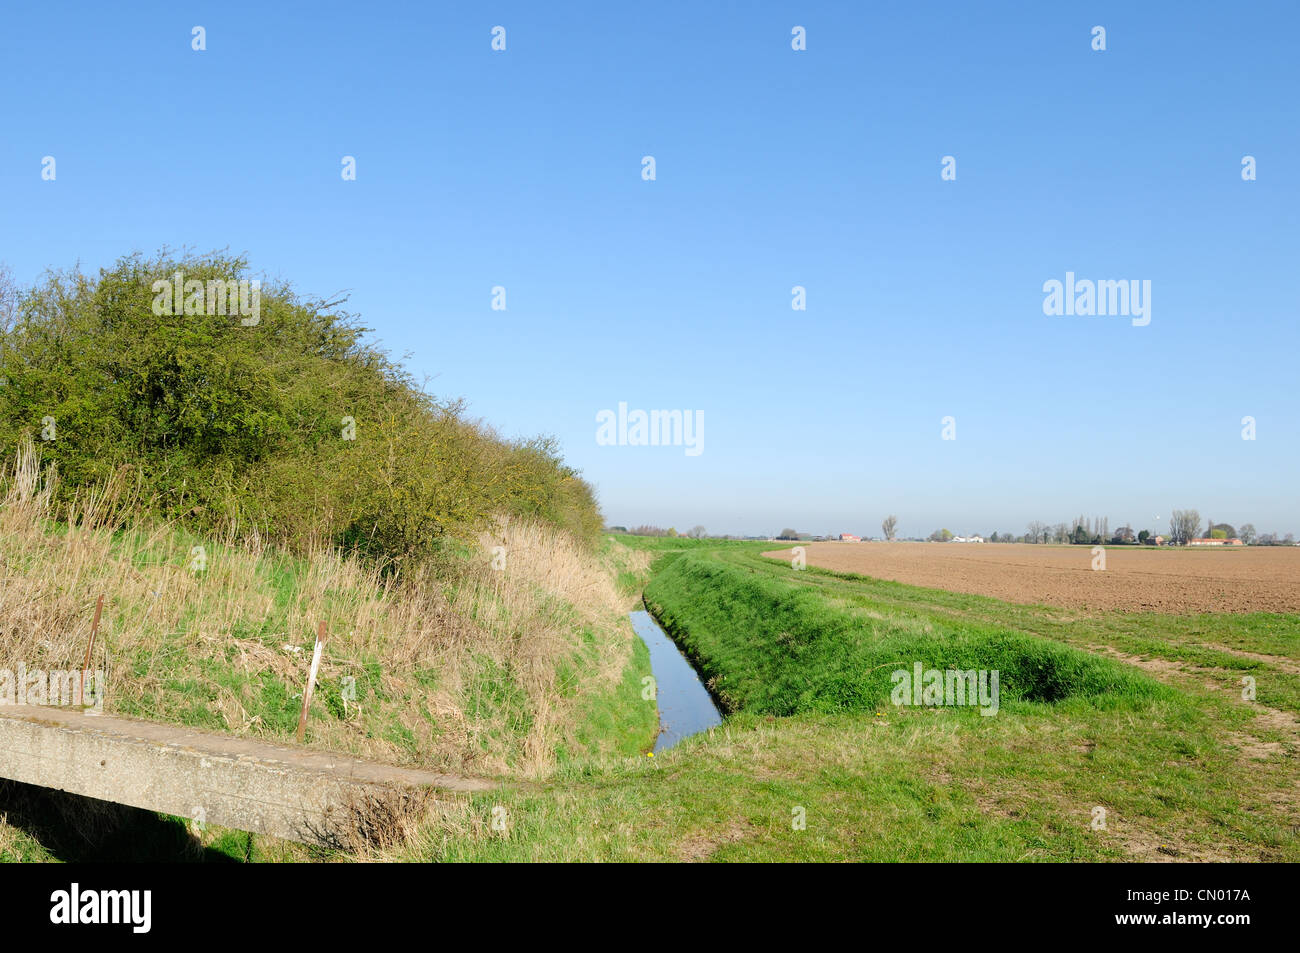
point(967, 539)
point(1214, 542)
point(849, 538)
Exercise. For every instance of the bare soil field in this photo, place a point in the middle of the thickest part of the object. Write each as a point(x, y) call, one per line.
point(1263, 579)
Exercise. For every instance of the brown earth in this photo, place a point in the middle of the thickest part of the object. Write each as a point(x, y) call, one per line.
point(1248, 579)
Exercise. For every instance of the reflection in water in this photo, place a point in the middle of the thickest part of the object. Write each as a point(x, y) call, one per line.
point(685, 707)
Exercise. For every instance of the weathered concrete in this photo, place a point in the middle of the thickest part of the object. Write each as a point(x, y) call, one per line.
point(294, 793)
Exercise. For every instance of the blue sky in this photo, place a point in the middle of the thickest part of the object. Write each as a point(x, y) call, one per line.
point(775, 168)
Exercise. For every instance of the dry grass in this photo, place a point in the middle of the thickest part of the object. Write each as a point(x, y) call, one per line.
point(460, 672)
point(371, 821)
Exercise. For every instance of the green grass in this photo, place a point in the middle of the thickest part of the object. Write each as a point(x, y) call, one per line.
point(803, 659)
point(1180, 763)
point(192, 679)
point(771, 645)
point(618, 723)
point(183, 674)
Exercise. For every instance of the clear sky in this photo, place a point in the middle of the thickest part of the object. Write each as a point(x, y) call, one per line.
point(821, 168)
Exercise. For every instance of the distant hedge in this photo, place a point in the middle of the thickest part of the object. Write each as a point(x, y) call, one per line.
point(216, 418)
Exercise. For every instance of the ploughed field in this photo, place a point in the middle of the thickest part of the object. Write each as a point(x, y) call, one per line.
point(1191, 580)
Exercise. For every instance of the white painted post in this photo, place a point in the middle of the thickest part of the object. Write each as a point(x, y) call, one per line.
point(311, 681)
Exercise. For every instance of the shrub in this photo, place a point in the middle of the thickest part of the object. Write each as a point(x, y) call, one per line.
point(219, 424)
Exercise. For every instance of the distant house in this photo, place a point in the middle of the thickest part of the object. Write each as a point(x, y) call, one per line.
point(1214, 542)
point(1155, 540)
point(967, 539)
point(849, 538)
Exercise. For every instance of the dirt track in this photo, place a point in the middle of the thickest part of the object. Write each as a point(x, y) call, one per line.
point(1252, 579)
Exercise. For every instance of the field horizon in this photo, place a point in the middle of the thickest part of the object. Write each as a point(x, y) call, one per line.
point(1126, 578)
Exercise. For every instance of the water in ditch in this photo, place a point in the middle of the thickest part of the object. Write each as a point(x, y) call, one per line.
point(685, 706)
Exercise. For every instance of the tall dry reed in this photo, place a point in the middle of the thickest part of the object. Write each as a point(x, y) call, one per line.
point(461, 669)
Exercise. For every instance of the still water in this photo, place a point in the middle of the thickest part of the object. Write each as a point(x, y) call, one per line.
point(685, 707)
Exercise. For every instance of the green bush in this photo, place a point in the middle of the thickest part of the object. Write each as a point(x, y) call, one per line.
point(216, 422)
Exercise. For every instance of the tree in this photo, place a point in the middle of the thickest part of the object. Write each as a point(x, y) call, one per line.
point(696, 532)
point(888, 526)
point(1248, 533)
point(1144, 535)
point(8, 299)
point(286, 420)
point(1036, 529)
point(940, 536)
point(1184, 526)
point(788, 534)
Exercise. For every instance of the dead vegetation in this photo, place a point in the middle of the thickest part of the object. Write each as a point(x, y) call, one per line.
point(375, 819)
point(458, 666)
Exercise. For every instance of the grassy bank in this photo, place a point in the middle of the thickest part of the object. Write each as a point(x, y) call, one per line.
point(769, 644)
point(1143, 750)
point(1134, 721)
point(507, 672)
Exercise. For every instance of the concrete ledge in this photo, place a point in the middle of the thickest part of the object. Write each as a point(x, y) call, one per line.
point(235, 782)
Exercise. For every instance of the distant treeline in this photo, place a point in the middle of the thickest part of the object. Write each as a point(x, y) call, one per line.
point(1184, 525)
point(695, 532)
point(285, 421)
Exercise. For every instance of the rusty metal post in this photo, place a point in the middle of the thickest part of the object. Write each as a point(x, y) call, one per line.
point(81, 689)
